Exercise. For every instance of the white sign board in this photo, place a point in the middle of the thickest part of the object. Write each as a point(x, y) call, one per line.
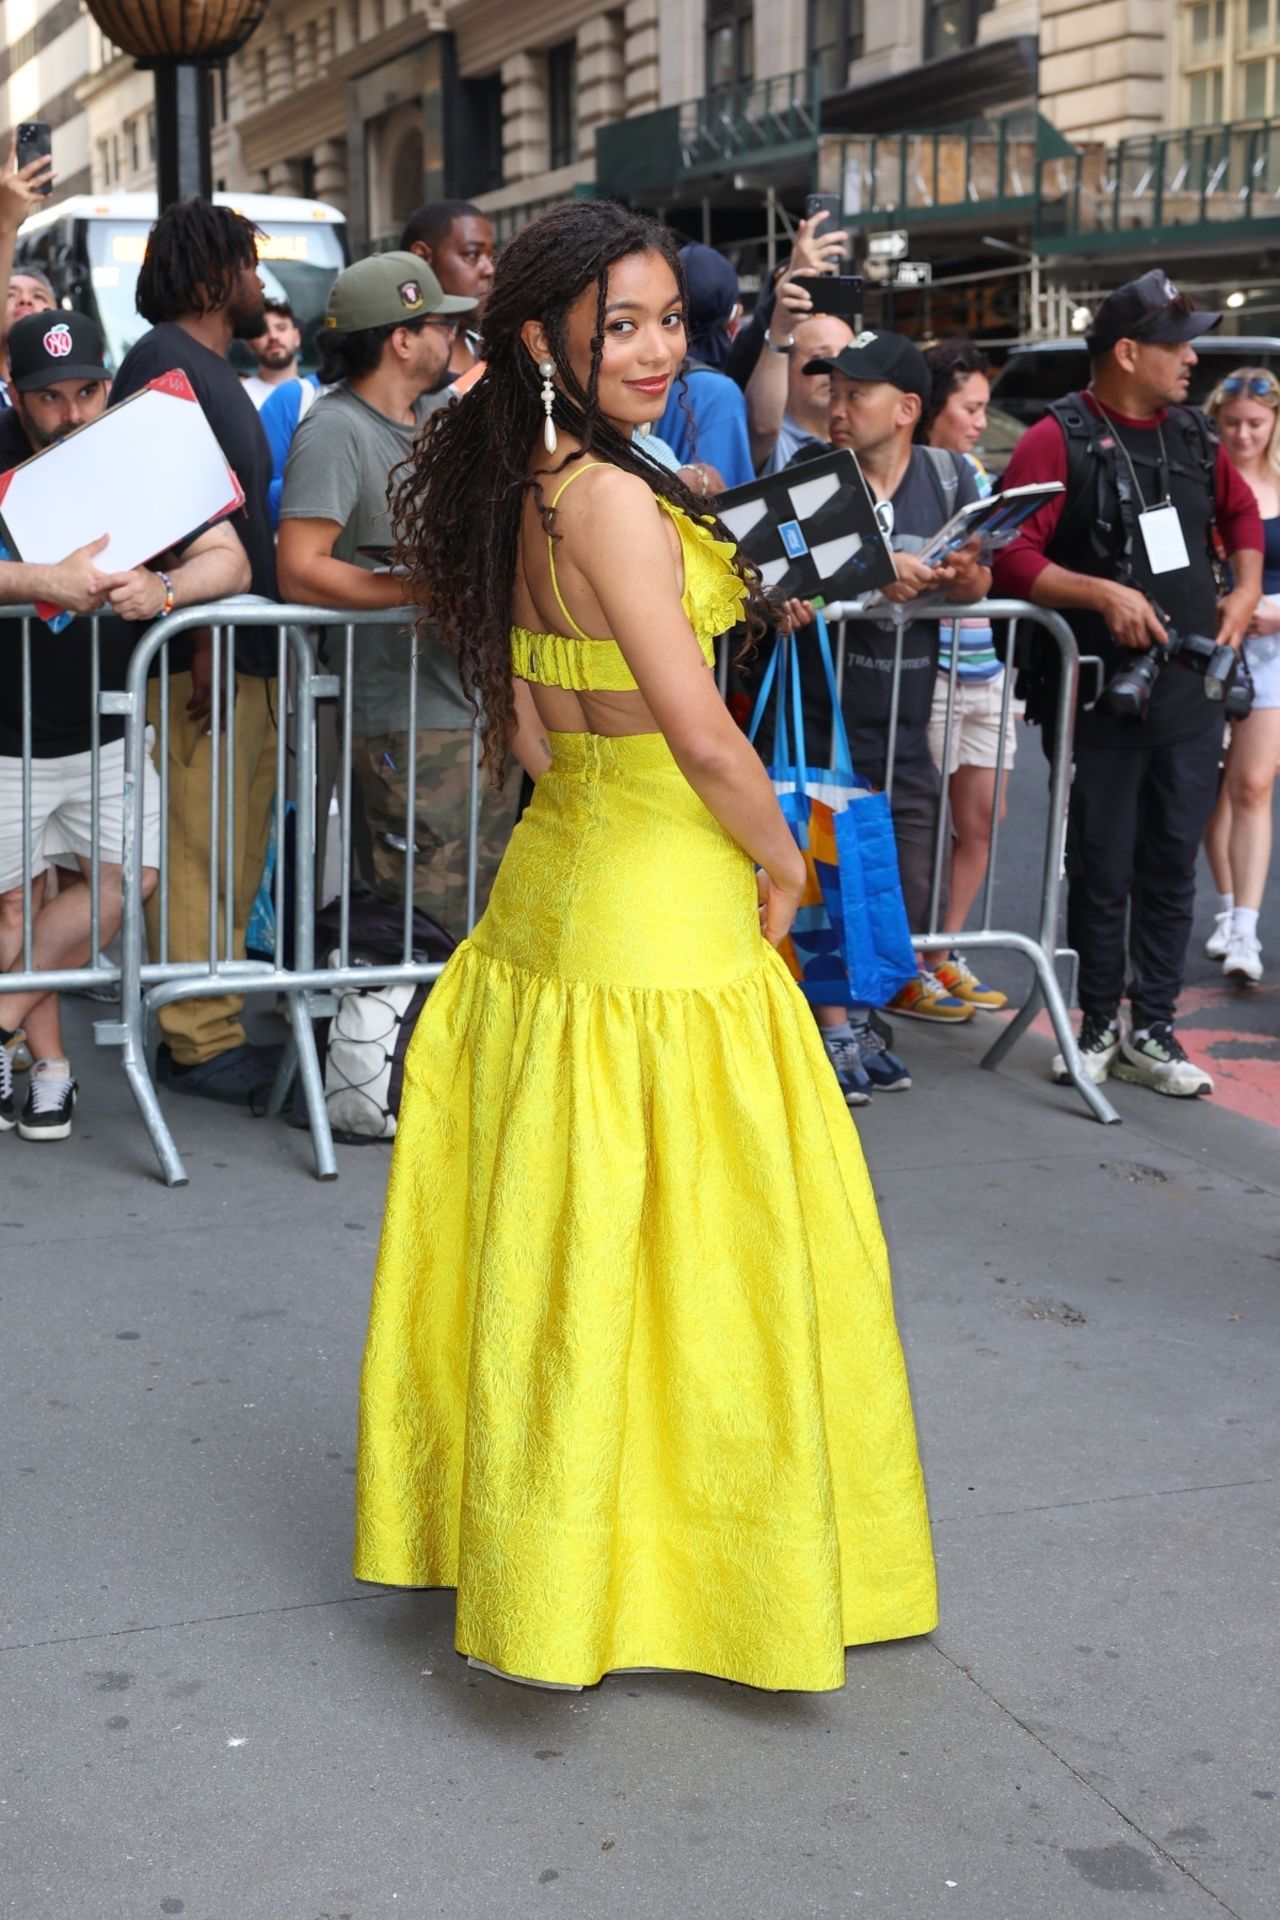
point(889, 245)
point(147, 474)
point(912, 273)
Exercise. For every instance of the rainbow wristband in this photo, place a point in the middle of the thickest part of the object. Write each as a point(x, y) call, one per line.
point(167, 584)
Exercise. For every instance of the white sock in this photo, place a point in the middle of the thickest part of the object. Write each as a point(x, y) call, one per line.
point(1226, 904)
point(843, 1032)
point(1244, 920)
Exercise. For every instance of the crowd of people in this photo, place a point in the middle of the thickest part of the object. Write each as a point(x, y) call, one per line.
point(1159, 532)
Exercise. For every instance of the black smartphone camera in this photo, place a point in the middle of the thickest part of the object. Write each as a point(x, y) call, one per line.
point(838, 293)
point(35, 142)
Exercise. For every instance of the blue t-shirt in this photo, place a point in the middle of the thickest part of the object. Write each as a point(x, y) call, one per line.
point(718, 432)
point(279, 414)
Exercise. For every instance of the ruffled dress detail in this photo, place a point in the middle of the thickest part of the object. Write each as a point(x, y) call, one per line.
point(632, 1382)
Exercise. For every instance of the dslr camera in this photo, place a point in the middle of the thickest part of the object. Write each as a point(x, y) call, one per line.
point(1128, 693)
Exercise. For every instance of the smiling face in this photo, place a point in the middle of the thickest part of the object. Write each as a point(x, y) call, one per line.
point(644, 339)
point(1246, 426)
point(961, 423)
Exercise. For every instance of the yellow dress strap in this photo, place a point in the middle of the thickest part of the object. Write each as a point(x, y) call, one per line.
point(551, 550)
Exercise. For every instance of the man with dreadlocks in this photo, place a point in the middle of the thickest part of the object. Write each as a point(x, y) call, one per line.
point(200, 290)
point(632, 1382)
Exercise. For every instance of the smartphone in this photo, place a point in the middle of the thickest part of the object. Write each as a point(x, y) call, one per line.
point(828, 203)
point(35, 142)
point(838, 293)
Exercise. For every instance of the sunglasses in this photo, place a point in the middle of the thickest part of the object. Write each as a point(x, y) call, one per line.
point(1260, 386)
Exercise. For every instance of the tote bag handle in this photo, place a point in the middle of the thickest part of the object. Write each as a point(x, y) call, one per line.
point(839, 732)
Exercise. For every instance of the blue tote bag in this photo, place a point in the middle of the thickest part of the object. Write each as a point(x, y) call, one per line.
point(850, 944)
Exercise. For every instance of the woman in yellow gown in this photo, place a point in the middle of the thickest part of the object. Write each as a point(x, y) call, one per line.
point(632, 1382)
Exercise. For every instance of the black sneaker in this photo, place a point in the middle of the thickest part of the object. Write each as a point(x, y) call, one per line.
point(886, 1072)
point(8, 1105)
point(1153, 1057)
point(1099, 1044)
point(844, 1056)
point(51, 1100)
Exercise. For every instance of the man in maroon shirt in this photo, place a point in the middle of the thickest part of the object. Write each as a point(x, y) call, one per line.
point(1146, 488)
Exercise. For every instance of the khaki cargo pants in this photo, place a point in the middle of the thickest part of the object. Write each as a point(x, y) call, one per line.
point(200, 1030)
point(381, 766)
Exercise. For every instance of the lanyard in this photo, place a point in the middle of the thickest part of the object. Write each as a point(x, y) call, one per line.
point(1133, 472)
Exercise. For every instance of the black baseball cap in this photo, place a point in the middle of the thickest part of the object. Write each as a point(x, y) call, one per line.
point(1147, 309)
point(45, 347)
point(890, 357)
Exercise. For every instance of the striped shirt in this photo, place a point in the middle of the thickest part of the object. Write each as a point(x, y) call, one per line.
point(978, 657)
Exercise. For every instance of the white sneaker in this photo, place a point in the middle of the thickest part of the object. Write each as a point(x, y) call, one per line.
point(1243, 959)
point(1099, 1044)
point(1220, 939)
point(1152, 1057)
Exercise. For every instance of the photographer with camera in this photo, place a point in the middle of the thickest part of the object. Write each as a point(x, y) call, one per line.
point(1127, 554)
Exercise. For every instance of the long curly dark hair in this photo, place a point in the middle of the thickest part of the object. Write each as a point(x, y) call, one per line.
point(458, 499)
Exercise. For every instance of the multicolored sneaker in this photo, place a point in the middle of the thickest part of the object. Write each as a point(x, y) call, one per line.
point(842, 1052)
point(962, 983)
point(1152, 1057)
point(1099, 1044)
point(882, 1067)
point(925, 998)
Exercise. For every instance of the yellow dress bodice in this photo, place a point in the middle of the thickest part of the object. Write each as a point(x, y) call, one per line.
point(713, 598)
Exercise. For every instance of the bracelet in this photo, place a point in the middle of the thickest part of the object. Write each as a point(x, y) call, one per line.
point(167, 584)
point(784, 348)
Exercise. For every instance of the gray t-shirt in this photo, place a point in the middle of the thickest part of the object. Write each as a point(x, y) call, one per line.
point(339, 467)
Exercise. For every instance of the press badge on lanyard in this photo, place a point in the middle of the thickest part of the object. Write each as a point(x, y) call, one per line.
point(1162, 537)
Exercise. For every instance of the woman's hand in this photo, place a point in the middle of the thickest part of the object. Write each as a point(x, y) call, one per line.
point(1265, 617)
point(795, 614)
point(779, 902)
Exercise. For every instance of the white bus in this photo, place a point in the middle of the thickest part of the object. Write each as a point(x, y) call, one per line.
point(91, 248)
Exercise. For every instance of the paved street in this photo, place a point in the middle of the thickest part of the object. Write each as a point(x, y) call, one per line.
point(207, 1716)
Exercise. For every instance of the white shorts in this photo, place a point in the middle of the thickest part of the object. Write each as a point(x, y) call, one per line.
point(1263, 654)
point(975, 723)
point(61, 812)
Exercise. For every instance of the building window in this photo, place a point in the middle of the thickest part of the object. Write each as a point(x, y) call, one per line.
point(835, 38)
point(135, 145)
point(151, 137)
point(104, 163)
point(952, 25)
point(562, 102)
point(731, 43)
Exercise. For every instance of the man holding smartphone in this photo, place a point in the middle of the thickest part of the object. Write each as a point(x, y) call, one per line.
point(23, 186)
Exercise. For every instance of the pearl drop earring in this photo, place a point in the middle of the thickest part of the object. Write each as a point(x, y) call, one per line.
point(547, 368)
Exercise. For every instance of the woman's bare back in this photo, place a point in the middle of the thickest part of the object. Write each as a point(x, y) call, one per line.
point(534, 605)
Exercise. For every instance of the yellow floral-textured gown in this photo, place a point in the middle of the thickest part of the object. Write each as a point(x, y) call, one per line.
point(632, 1382)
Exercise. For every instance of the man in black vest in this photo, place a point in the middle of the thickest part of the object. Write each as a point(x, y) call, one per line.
point(1132, 540)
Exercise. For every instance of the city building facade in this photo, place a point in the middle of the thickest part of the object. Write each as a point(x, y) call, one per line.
point(1030, 150)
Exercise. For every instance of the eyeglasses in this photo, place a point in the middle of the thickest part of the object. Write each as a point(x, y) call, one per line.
point(448, 326)
point(1259, 386)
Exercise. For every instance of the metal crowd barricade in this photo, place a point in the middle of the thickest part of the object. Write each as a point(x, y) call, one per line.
point(147, 986)
point(147, 981)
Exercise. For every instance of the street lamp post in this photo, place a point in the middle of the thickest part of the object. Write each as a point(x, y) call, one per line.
point(180, 41)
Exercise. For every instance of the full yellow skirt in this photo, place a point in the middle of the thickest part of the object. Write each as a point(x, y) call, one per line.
point(632, 1382)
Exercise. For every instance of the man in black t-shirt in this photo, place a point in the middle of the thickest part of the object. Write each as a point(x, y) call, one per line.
point(200, 290)
point(59, 383)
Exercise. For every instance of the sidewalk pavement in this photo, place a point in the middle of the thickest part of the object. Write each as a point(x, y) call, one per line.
point(207, 1716)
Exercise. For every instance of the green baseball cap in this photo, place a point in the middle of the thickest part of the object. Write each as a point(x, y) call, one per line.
point(387, 288)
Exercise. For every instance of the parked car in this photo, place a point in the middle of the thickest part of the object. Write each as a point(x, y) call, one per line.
point(1036, 375)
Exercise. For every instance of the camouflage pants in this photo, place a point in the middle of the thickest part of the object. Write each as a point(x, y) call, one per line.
point(381, 766)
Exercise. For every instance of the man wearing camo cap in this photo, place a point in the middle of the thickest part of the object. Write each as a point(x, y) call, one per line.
point(385, 343)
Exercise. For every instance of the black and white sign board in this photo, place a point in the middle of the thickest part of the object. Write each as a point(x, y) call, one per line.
point(812, 531)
